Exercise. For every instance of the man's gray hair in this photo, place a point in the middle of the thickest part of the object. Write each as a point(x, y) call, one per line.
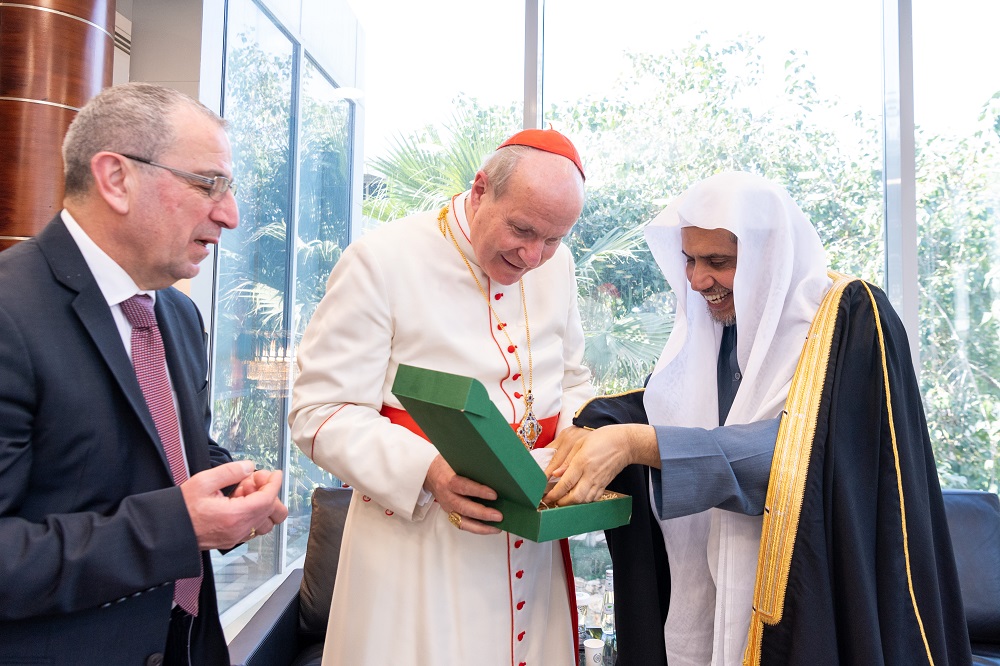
point(499, 166)
point(133, 118)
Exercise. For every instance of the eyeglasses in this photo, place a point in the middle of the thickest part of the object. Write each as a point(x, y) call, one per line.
point(216, 186)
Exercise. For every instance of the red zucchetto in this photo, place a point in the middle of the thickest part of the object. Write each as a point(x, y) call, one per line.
point(548, 140)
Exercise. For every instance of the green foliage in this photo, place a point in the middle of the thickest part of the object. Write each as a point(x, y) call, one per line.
point(262, 311)
point(624, 311)
point(422, 171)
point(590, 556)
point(684, 116)
point(677, 118)
point(957, 206)
point(253, 266)
point(674, 119)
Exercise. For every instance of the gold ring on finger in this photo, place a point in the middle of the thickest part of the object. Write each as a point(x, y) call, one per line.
point(455, 519)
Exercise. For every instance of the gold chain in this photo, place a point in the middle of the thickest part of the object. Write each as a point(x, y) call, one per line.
point(445, 227)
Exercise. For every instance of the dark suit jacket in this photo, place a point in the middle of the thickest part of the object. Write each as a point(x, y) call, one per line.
point(93, 530)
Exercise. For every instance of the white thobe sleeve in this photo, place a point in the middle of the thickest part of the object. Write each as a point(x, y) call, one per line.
point(343, 364)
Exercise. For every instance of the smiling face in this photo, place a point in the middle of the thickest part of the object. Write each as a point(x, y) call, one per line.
point(173, 221)
point(711, 269)
point(521, 229)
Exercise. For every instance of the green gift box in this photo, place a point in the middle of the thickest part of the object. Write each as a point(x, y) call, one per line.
point(458, 417)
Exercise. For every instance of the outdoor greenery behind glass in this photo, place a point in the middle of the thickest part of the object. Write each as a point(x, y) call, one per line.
point(676, 112)
point(294, 201)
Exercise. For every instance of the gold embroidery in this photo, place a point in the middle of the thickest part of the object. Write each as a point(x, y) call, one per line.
point(899, 480)
point(602, 397)
point(789, 469)
point(607, 495)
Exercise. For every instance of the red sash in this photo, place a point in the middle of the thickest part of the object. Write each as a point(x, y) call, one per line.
point(401, 417)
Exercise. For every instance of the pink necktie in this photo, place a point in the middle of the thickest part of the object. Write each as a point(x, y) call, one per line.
point(151, 370)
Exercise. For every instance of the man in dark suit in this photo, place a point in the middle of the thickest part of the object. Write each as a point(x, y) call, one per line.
point(104, 505)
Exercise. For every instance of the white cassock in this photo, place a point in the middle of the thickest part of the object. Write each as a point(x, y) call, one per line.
point(411, 588)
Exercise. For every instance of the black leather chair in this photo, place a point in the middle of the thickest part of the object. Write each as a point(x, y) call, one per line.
point(290, 627)
point(974, 524)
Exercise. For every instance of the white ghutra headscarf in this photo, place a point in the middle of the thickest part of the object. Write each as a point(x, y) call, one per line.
point(781, 277)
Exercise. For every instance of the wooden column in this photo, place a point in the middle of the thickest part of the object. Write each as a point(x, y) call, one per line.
point(54, 56)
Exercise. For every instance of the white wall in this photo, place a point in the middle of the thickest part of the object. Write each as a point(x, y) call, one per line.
point(123, 50)
point(166, 43)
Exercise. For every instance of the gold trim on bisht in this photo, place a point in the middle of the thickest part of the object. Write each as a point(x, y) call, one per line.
point(899, 480)
point(790, 467)
point(605, 397)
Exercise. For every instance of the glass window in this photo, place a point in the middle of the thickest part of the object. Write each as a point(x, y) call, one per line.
point(660, 95)
point(287, 12)
point(957, 114)
point(687, 91)
point(292, 133)
point(251, 361)
point(324, 206)
point(443, 87)
point(656, 96)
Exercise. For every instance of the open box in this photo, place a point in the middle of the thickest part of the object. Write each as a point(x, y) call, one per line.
point(458, 417)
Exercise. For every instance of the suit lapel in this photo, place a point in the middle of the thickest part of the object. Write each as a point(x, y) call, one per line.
point(70, 269)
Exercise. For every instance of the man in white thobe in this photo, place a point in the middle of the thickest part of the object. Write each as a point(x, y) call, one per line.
point(482, 288)
point(783, 429)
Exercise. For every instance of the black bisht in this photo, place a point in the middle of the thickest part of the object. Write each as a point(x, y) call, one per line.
point(639, 558)
point(848, 598)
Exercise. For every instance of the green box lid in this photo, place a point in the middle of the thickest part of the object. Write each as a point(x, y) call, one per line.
point(457, 415)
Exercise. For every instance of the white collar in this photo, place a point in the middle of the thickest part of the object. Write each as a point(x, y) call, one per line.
point(461, 228)
point(115, 283)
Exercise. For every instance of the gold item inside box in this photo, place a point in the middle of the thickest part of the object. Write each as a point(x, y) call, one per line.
point(608, 494)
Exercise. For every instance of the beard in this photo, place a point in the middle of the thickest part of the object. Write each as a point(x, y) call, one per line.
point(724, 318)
